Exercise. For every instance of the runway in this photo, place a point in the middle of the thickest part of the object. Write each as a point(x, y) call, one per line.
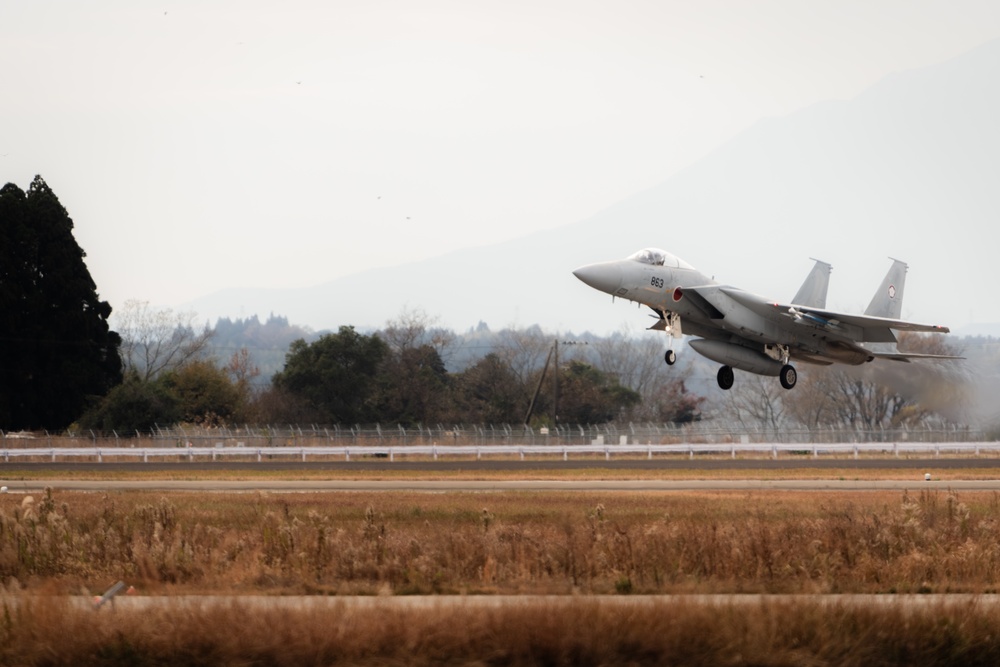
point(556, 603)
point(472, 466)
point(494, 486)
point(468, 476)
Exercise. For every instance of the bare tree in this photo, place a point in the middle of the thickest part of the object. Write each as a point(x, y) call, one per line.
point(413, 328)
point(524, 351)
point(637, 363)
point(811, 402)
point(759, 400)
point(154, 341)
point(883, 394)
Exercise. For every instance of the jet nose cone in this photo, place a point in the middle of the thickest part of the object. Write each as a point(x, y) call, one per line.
point(606, 276)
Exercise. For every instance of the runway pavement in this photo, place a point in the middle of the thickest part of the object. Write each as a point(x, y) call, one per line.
point(508, 465)
point(907, 474)
point(129, 603)
point(484, 486)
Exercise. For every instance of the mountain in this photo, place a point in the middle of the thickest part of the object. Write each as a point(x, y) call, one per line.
point(907, 169)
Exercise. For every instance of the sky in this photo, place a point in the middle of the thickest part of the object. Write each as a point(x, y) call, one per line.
point(205, 145)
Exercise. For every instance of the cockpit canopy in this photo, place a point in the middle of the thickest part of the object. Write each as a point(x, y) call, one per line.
point(657, 257)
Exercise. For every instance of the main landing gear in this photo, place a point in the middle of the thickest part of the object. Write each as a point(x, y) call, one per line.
point(726, 377)
point(788, 376)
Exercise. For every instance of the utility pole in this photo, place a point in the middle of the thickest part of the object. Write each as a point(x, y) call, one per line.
point(538, 389)
point(552, 356)
point(555, 391)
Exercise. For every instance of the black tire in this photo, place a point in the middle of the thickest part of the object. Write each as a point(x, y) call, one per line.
point(670, 357)
point(788, 376)
point(726, 378)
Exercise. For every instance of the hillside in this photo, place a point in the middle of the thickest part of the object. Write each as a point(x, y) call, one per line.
point(906, 169)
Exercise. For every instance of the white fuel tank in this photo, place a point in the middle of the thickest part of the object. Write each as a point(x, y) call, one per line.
point(737, 356)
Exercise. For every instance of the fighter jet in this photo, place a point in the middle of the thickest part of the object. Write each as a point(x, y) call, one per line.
point(742, 330)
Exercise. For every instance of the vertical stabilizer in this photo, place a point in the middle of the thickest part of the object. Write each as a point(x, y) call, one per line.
point(888, 300)
point(813, 290)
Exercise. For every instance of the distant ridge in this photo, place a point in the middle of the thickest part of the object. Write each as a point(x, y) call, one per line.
point(909, 168)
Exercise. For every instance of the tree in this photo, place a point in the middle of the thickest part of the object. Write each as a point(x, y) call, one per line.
point(335, 375)
point(199, 392)
point(133, 406)
point(757, 400)
point(413, 387)
point(588, 396)
point(242, 371)
point(637, 363)
point(884, 394)
point(205, 394)
point(57, 352)
point(490, 392)
point(155, 341)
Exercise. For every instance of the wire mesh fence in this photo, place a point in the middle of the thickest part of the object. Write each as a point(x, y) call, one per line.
point(702, 433)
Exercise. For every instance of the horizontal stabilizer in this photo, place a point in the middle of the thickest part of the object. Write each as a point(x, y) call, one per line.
point(906, 356)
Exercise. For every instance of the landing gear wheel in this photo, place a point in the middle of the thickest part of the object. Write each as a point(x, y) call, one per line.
point(788, 376)
point(670, 357)
point(726, 378)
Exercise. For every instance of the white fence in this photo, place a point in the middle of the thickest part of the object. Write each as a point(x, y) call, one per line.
point(773, 450)
point(719, 432)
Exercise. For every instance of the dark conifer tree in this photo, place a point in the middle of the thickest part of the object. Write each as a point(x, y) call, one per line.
point(56, 349)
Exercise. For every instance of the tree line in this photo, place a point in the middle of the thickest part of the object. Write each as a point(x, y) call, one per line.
point(61, 365)
point(395, 375)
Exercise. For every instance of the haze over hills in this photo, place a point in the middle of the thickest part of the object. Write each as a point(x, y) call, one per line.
point(908, 169)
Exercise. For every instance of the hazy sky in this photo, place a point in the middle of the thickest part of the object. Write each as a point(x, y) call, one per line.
point(203, 145)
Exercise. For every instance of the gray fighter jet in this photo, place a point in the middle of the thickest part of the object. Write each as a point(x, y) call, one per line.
point(742, 330)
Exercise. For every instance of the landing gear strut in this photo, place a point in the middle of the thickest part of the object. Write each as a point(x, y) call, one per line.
point(726, 378)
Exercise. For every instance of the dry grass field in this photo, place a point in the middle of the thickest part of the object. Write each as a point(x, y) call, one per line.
point(514, 542)
point(524, 542)
point(564, 543)
point(49, 631)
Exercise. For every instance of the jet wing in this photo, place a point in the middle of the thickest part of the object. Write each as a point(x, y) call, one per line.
point(860, 328)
